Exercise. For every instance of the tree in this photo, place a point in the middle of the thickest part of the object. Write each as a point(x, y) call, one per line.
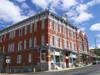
point(97, 51)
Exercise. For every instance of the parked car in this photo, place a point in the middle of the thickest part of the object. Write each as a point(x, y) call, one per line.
point(96, 62)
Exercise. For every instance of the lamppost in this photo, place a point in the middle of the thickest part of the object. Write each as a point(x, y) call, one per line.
point(8, 62)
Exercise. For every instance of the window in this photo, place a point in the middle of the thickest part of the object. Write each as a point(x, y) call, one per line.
point(43, 56)
point(60, 28)
point(35, 26)
point(74, 47)
point(0, 49)
point(31, 28)
point(19, 45)
point(51, 42)
point(30, 58)
point(25, 42)
point(19, 58)
point(11, 47)
point(56, 27)
point(50, 24)
point(30, 43)
point(42, 39)
point(43, 24)
point(20, 32)
point(0, 38)
point(65, 32)
point(65, 44)
point(61, 42)
point(3, 48)
point(12, 34)
point(70, 45)
point(35, 42)
point(57, 58)
point(25, 30)
point(55, 41)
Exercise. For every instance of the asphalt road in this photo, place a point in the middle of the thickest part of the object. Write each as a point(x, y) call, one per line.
point(90, 70)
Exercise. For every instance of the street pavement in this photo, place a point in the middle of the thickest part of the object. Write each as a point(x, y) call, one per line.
point(89, 70)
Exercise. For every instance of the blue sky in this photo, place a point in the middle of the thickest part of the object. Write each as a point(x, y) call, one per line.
point(84, 14)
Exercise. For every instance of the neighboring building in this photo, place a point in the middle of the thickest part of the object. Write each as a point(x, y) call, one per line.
point(42, 42)
point(93, 56)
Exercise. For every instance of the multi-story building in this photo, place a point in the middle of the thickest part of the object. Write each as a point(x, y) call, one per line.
point(44, 41)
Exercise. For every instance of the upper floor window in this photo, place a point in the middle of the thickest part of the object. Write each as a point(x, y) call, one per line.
point(35, 42)
point(50, 24)
point(20, 32)
point(11, 47)
point(30, 43)
point(25, 30)
point(0, 49)
point(30, 58)
point(35, 26)
point(0, 39)
point(70, 45)
point(60, 28)
point(31, 28)
point(65, 43)
point(25, 42)
point(3, 48)
point(19, 45)
point(19, 59)
point(51, 42)
point(55, 27)
point(56, 41)
point(11, 34)
point(42, 39)
point(43, 24)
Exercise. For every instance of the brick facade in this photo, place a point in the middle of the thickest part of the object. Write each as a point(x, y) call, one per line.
point(43, 42)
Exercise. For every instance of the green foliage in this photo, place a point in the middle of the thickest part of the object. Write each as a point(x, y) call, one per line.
point(97, 51)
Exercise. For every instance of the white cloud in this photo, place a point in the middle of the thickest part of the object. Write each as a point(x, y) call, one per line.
point(10, 12)
point(84, 16)
point(81, 8)
point(98, 45)
point(41, 3)
point(68, 3)
point(93, 2)
point(55, 4)
point(24, 6)
point(98, 35)
point(95, 27)
point(93, 46)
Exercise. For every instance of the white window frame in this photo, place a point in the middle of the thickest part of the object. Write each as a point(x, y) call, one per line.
point(19, 59)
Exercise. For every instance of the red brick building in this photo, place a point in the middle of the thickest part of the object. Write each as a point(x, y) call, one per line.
point(42, 42)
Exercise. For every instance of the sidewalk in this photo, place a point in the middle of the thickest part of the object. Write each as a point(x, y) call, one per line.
point(66, 69)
